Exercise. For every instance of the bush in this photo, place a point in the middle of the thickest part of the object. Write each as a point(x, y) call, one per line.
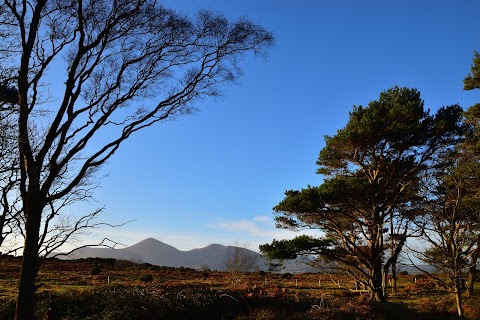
point(146, 277)
point(205, 268)
point(7, 309)
point(287, 275)
point(95, 271)
point(125, 265)
point(125, 302)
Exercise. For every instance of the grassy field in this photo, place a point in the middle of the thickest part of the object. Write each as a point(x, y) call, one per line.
point(112, 289)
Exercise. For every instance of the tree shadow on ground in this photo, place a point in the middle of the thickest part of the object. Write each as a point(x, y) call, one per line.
point(401, 311)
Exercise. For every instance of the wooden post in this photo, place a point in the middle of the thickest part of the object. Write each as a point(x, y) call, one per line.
point(296, 282)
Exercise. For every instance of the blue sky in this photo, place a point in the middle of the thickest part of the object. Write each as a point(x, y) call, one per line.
point(214, 176)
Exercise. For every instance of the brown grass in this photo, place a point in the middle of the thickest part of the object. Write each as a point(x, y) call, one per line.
point(260, 295)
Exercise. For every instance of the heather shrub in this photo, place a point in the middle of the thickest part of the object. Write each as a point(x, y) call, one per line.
point(7, 309)
point(287, 275)
point(95, 271)
point(154, 302)
point(146, 277)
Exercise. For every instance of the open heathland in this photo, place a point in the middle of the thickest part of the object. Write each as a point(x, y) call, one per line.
point(115, 289)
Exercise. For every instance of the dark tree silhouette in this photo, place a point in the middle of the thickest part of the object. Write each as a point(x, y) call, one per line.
point(126, 66)
point(451, 223)
point(8, 94)
point(372, 169)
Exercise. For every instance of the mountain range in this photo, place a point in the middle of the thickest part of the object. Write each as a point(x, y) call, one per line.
point(213, 257)
point(155, 252)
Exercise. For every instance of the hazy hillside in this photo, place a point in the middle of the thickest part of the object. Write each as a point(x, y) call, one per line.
point(213, 256)
point(158, 253)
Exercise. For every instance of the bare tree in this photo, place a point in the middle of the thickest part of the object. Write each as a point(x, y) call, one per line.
point(451, 226)
point(58, 227)
point(127, 65)
point(10, 202)
point(239, 260)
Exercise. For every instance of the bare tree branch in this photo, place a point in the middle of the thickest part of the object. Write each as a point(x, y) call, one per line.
point(127, 65)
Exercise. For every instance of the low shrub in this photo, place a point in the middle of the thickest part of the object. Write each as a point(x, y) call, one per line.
point(205, 268)
point(95, 271)
point(163, 302)
point(146, 277)
point(7, 309)
point(287, 275)
point(184, 269)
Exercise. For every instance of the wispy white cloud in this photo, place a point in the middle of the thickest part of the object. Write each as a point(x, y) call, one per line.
point(244, 226)
point(254, 231)
point(261, 227)
point(259, 230)
point(262, 219)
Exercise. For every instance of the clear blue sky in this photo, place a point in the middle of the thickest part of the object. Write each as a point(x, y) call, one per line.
point(214, 176)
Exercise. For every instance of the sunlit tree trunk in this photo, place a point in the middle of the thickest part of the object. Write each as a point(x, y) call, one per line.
point(471, 280)
point(393, 255)
point(394, 276)
point(458, 298)
point(377, 287)
point(377, 274)
point(472, 270)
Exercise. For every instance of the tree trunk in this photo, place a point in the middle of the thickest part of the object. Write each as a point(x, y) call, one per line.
point(393, 254)
point(458, 300)
point(385, 281)
point(378, 294)
point(394, 276)
point(26, 290)
point(472, 271)
point(377, 277)
point(471, 280)
point(376, 262)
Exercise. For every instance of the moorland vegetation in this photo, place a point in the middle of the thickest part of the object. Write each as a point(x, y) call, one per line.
point(121, 289)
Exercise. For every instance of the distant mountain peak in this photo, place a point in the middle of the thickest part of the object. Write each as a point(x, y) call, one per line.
point(151, 241)
point(156, 252)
